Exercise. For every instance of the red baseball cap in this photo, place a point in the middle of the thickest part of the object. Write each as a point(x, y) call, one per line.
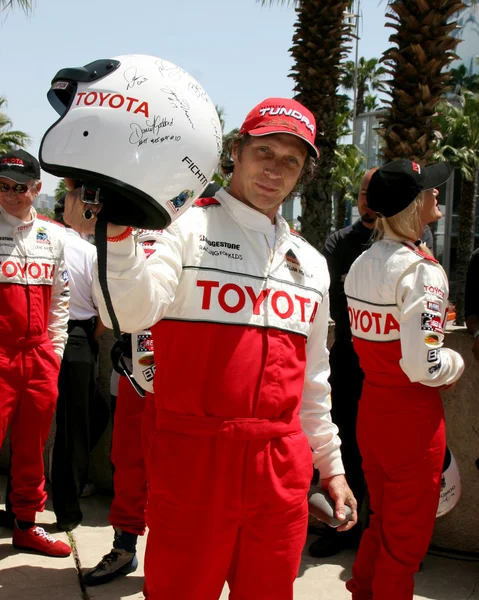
point(282, 115)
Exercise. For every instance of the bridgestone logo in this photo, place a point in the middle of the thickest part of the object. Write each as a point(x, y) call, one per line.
point(215, 244)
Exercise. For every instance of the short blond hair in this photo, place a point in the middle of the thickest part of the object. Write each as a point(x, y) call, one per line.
point(405, 225)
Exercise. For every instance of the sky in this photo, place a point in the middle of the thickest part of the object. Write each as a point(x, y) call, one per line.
point(237, 50)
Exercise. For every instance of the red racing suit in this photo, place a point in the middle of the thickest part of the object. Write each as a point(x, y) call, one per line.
point(33, 331)
point(397, 302)
point(238, 309)
point(133, 429)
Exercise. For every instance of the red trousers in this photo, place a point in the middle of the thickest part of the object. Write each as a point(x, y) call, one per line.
point(402, 441)
point(133, 429)
point(28, 395)
point(228, 502)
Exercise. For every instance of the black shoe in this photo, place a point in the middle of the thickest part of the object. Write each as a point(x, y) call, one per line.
point(120, 561)
point(112, 565)
point(7, 519)
point(331, 542)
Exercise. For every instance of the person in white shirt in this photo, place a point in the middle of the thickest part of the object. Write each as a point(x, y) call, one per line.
point(81, 415)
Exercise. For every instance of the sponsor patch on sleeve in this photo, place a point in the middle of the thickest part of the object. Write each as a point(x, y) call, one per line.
point(432, 339)
point(144, 342)
point(434, 306)
point(431, 322)
point(149, 373)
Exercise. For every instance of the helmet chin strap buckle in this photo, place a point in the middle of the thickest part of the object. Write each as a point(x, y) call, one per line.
point(90, 194)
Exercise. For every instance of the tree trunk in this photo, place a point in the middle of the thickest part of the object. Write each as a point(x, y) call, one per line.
point(319, 45)
point(422, 47)
point(465, 243)
point(361, 93)
point(316, 202)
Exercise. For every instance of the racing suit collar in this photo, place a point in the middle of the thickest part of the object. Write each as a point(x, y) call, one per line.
point(250, 218)
point(16, 223)
point(400, 241)
point(411, 246)
point(243, 214)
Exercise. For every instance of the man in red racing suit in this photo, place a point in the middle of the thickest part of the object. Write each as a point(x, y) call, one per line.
point(33, 331)
point(238, 308)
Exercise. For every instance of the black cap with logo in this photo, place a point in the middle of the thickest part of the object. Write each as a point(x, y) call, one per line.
point(394, 186)
point(20, 166)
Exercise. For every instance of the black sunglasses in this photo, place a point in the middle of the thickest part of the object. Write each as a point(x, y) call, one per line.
point(18, 188)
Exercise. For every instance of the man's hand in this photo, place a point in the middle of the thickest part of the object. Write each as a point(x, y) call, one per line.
point(99, 329)
point(76, 213)
point(341, 493)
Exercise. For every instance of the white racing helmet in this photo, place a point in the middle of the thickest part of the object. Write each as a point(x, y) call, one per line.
point(137, 130)
point(451, 488)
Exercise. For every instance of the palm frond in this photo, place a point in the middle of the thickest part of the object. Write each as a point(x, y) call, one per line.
point(459, 126)
point(272, 2)
point(60, 190)
point(10, 139)
point(25, 5)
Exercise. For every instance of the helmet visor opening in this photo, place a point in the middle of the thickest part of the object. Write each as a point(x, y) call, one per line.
point(64, 84)
point(61, 94)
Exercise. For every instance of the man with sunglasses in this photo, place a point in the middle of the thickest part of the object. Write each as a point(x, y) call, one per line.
point(33, 330)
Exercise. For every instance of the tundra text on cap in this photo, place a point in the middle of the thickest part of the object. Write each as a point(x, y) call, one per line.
point(282, 115)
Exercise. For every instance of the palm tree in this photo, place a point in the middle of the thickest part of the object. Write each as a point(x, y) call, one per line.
point(346, 177)
point(344, 103)
point(423, 47)
point(462, 79)
point(368, 77)
point(25, 5)
point(460, 128)
point(60, 190)
point(319, 45)
point(10, 139)
point(371, 102)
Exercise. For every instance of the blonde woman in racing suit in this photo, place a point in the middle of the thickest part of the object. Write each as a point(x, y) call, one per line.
point(397, 300)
